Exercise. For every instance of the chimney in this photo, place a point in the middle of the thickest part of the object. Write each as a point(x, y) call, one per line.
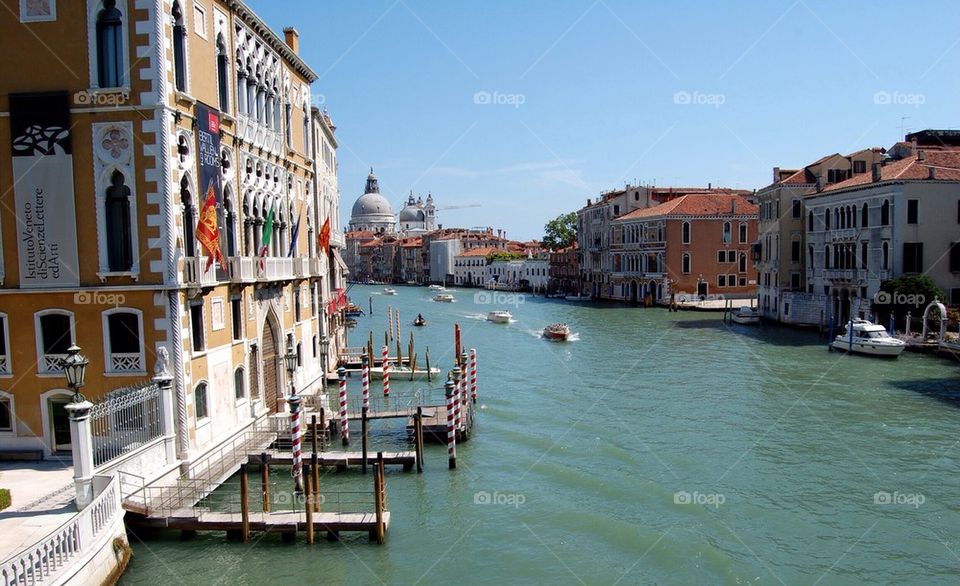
point(292, 38)
point(776, 174)
point(921, 155)
point(875, 169)
point(709, 186)
point(931, 172)
point(733, 206)
point(819, 183)
point(588, 202)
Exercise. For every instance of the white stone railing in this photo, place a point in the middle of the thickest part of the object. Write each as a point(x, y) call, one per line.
point(4, 365)
point(243, 268)
point(49, 559)
point(194, 273)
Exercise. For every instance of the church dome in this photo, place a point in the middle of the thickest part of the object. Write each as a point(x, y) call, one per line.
point(412, 212)
point(371, 204)
point(372, 211)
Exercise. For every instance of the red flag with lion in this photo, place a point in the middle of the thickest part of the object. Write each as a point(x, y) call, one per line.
point(207, 232)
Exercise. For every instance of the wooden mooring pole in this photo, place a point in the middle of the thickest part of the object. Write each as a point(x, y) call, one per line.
point(379, 497)
point(244, 504)
point(314, 463)
point(308, 497)
point(313, 434)
point(418, 438)
point(364, 423)
point(265, 480)
point(426, 356)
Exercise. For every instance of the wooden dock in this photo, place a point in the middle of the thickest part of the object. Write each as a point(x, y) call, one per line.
point(341, 460)
point(285, 522)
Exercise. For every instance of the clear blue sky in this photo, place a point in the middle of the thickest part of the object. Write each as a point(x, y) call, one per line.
point(771, 83)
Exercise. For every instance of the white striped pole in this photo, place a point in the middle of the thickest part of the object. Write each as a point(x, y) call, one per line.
point(386, 371)
point(451, 430)
point(365, 382)
point(295, 436)
point(473, 374)
point(456, 397)
point(464, 394)
point(344, 420)
point(396, 317)
point(390, 321)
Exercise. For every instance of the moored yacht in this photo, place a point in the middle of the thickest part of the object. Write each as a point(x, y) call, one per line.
point(866, 337)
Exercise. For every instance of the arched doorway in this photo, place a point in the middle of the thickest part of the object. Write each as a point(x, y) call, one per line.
point(269, 358)
point(633, 292)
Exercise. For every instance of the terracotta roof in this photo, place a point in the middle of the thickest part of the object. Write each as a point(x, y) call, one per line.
point(415, 242)
point(945, 162)
point(801, 177)
point(361, 234)
point(481, 251)
point(715, 204)
point(372, 243)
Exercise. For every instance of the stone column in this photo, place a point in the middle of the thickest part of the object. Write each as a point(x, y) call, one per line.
point(81, 441)
point(164, 380)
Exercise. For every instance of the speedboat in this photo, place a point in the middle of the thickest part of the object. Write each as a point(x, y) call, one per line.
point(389, 291)
point(865, 337)
point(353, 310)
point(437, 287)
point(419, 322)
point(557, 332)
point(499, 316)
point(443, 298)
point(577, 298)
point(745, 316)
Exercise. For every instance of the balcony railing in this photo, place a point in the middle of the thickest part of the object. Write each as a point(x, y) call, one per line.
point(194, 273)
point(243, 268)
point(843, 234)
point(301, 266)
point(315, 266)
point(4, 365)
point(278, 268)
point(126, 362)
point(51, 364)
point(337, 240)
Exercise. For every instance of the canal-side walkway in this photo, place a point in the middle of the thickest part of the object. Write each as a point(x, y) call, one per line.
point(41, 500)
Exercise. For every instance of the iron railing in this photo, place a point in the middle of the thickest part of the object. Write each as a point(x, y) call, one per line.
point(125, 420)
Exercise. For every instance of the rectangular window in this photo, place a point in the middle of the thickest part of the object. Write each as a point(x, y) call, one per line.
point(296, 304)
point(743, 233)
point(796, 208)
point(721, 256)
point(196, 327)
point(786, 309)
point(912, 210)
point(913, 257)
point(955, 296)
point(200, 401)
point(795, 251)
point(743, 281)
point(721, 280)
point(6, 415)
point(795, 281)
point(859, 166)
point(236, 317)
point(731, 280)
point(199, 20)
point(4, 357)
point(954, 262)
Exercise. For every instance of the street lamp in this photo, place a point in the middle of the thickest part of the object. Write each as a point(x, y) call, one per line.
point(75, 369)
point(294, 400)
point(290, 358)
point(324, 349)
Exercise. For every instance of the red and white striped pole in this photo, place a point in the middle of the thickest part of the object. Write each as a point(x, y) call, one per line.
point(386, 371)
point(473, 374)
point(390, 321)
point(456, 339)
point(464, 389)
point(456, 398)
point(344, 420)
point(396, 317)
point(295, 439)
point(365, 381)
point(451, 430)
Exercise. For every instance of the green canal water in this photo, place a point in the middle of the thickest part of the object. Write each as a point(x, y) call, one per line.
point(654, 448)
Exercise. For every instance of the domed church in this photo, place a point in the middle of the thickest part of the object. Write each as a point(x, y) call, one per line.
point(417, 217)
point(372, 211)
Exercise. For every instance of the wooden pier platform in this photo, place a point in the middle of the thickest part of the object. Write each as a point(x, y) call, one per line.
point(342, 460)
point(279, 522)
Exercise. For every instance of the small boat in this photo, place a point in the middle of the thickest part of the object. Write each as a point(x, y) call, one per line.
point(745, 316)
point(557, 332)
point(865, 337)
point(577, 298)
point(499, 316)
point(353, 310)
point(443, 298)
point(400, 372)
point(437, 287)
point(389, 291)
point(420, 322)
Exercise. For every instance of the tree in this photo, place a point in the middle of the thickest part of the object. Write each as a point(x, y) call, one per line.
point(560, 232)
point(909, 293)
point(503, 255)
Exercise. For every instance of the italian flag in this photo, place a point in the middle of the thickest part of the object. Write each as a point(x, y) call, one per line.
point(267, 234)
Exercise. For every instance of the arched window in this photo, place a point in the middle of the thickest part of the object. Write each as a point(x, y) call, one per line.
point(810, 222)
point(885, 213)
point(886, 255)
point(189, 218)
point(241, 87)
point(54, 334)
point(864, 216)
point(288, 121)
point(826, 219)
point(123, 341)
point(685, 263)
point(810, 257)
point(119, 234)
point(852, 216)
point(727, 237)
point(826, 257)
point(110, 46)
point(223, 80)
point(685, 239)
point(179, 48)
point(239, 384)
point(743, 262)
point(200, 406)
point(306, 131)
point(838, 218)
point(230, 217)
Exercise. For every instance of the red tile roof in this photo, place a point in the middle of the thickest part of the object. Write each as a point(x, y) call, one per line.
point(715, 204)
point(480, 251)
point(946, 165)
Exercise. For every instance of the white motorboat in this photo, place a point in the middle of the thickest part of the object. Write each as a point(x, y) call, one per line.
point(389, 291)
point(577, 298)
point(499, 316)
point(443, 298)
point(866, 337)
point(745, 316)
point(437, 287)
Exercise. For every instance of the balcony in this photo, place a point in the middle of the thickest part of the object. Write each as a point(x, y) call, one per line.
point(337, 239)
point(850, 275)
point(126, 362)
point(316, 266)
point(242, 269)
point(5, 365)
point(301, 267)
point(278, 269)
point(51, 364)
point(194, 273)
